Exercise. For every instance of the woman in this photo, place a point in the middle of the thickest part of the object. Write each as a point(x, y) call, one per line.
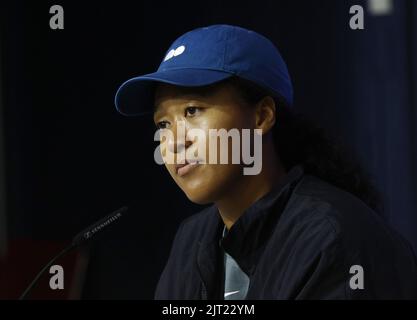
point(301, 227)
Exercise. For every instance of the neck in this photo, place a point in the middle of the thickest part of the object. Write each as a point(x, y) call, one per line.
point(249, 189)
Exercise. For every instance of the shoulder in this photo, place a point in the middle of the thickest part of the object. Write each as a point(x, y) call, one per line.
point(349, 233)
point(315, 199)
point(341, 218)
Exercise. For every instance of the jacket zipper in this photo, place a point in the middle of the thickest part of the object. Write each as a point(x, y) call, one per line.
point(203, 291)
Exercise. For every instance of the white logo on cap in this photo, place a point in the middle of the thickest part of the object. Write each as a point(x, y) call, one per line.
point(174, 52)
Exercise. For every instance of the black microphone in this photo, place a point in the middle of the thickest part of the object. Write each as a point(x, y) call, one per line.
point(84, 236)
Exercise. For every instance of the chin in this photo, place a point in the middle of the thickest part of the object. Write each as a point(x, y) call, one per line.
point(206, 188)
point(199, 197)
point(201, 193)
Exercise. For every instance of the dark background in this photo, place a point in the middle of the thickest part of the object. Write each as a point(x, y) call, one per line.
point(67, 157)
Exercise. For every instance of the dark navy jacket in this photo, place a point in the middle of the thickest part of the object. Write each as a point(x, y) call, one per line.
point(297, 242)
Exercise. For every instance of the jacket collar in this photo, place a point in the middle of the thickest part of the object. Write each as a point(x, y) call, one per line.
point(254, 227)
point(248, 234)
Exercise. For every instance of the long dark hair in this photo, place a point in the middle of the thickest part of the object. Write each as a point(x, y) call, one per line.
point(300, 141)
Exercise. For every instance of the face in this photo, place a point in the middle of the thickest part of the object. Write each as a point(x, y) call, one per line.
point(219, 107)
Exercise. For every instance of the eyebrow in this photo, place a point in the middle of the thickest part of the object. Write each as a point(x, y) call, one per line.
point(199, 92)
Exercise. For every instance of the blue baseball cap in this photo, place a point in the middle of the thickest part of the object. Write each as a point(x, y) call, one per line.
point(205, 56)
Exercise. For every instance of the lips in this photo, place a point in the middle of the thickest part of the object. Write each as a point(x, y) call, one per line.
point(183, 169)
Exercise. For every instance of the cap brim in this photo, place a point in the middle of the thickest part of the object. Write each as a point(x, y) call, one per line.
point(135, 96)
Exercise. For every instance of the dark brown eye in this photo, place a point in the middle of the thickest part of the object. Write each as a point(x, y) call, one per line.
point(192, 111)
point(162, 125)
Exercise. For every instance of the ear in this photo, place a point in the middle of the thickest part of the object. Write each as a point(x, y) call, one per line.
point(265, 114)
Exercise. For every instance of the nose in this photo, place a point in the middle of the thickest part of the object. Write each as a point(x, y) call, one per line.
point(177, 142)
point(177, 145)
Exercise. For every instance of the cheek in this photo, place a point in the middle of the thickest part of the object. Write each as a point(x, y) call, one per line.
point(211, 125)
point(171, 169)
